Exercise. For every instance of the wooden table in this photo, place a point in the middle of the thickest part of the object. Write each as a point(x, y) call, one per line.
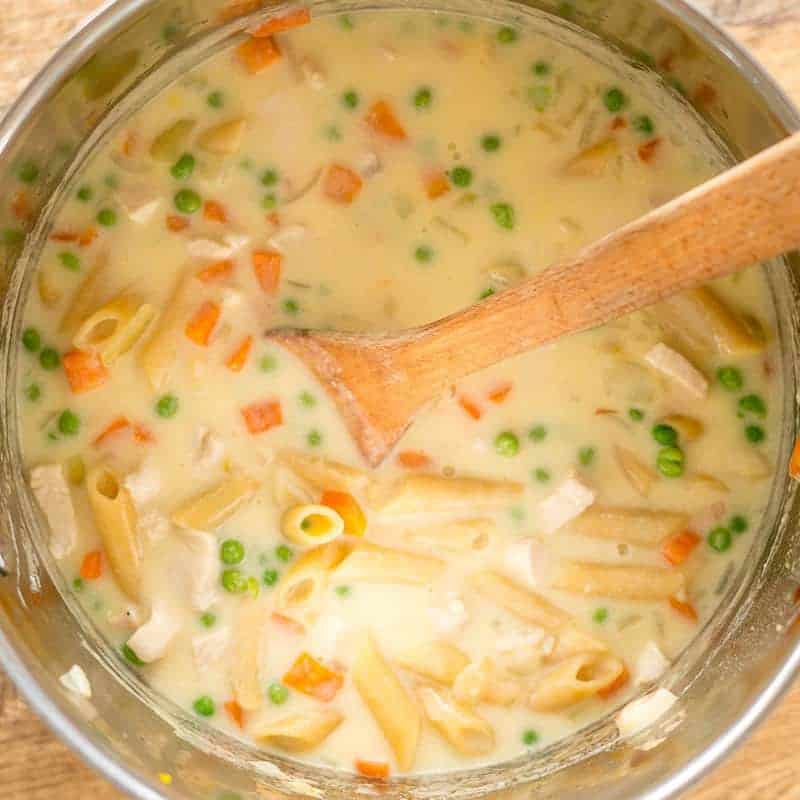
point(36, 766)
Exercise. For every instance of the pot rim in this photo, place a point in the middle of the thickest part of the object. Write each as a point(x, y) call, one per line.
point(110, 16)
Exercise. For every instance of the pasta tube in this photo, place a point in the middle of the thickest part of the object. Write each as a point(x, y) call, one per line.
point(375, 564)
point(392, 707)
point(575, 679)
point(458, 536)
point(464, 730)
point(310, 525)
point(246, 661)
point(322, 474)
point(440, 661)
point(86, 297)
point(209, 510)
point(298, 733)
point(483, 682)
point(637, 526)
point(645, 584)
point(115, 517)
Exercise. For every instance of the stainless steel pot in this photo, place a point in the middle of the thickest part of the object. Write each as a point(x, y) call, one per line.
point(728, 678)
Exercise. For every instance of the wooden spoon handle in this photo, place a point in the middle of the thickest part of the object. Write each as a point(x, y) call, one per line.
point(745, 215)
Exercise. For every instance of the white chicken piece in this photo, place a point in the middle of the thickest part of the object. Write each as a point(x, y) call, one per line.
point(209, 648)
point(570, 499)
point(202, 568)
point(217, 249)
point(152, 639)
point(529, 562)
point(521, 652)
point(678, 368)
point(287, 235)
point(650, 664)
point(644, 711)
point(153, 526)
point(368, 164)
point(75, 680)
point(209, 449)
point(139, 201)
point(144, 484)
point(448, 616)
point(312, 74)
point(51, 490)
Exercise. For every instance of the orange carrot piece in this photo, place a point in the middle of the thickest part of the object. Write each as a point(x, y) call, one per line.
point(92, 566)
point(679, 547)
point(86, 237)
point(615, 685)
point(618, 122)
point(647, 150)
point(129, 143)
point(238, 358)
point(267, 268)
point(413, 459)
point(64, 236)
point(20, 207)
point(309, 676)
point(200, 327)
point(379, 770)
point(705, 94)
point(274, 219)
point(287, 21)
point(381, 118)
point(235, 712)
point(116, 425)
point(260, 417)
point(500, 393)
point(341, 184)
point(684, 609)
point(347, 507)
point(288, 623)
point(258, 53)
point(794, 461)
point(436, 184)
point(472, 408)
point(85, 371)
point(219, 269)
point(176, 223)
point(142, 434)
point(214, 211)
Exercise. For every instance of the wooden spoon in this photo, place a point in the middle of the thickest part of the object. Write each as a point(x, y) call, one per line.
point(379, 382)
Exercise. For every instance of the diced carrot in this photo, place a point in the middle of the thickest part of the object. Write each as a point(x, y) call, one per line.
point(260, 417)
point(285, 22)
point(605, 412)
point(258, 53)
point(85, 370)
point(647, 150)
point(142, 434)
point(341, 184)
point(347, 507)
point(288, 623)
point(116, 425)
point(238, 358)
point(20, 207)
point(64, 236)
point(794, 461)
point(309, 676)
point(129, 143)
point(83, 238)
point(378, 770)
point(436, 184)
point(413, 459)
point(705, 94)
point(92, 566)
point(500, 393)
point(215, 271)
point(470, 407)
point(274, 219)
point(267, 268)
point(679, 547)
point(237, 8)
point(615, 685)
point(683, 608)
point(235, 712)
point(214, 211)
point(617, 123)
point(381, 118)
point(200, 327)
point(176, 223)
point(86, 237)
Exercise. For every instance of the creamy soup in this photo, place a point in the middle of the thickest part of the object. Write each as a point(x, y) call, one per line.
point(543, 542)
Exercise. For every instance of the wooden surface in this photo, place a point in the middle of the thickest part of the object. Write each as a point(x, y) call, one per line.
point(35, 766)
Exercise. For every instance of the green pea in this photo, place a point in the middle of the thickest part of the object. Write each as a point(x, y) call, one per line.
point(753, 404)
point(170, 32)
point(530, 737)
point(187, 201)
point(486, 293)
point(107, 217)
point(754, 434)
point(269, 201)
point(346, 21)
point(636, 414)
point(343, 591)
point(28, 172)
point(614, 100)
point(49, 359)
point(84, 194)
point(253, 586)
point(269, 177)
point(541, 475)
point(423, 254)
point(183, 167)
point(719, 539)
point(231, 552)
point(207, 619)
point(233, 581)
point(130, 655)
point(167, 406)
point(643, 124)
point(291, 306)
point(307, 400)
point(278, 693)
point(537, 433)
point(350, 99)
point(491, 142)
point(111, 181)
point(506, 444)
point(70, 260)
point(586, 456)
point(507, 35)
point(31, 340)
point(461, 177)
point(600, 615)
point(540, 97)
point(283, 553)
point(12, 237)
point(738, 523)
point(204, 706)
point(77, 584)
point(314, 438)
point(670, 462)
point(665, 434)
point(33, 392)
point(69, 422)
point(517, 514)
point(216, 99)
point(332, 133)
point(730, 378)
point(270, 577)
point(503, 214)
point(423, 97)
point(540, 68)
point(268, 363)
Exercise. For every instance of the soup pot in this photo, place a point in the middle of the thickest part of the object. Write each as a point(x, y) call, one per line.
point(727, 679)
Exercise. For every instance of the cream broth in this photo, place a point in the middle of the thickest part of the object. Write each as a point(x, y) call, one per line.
point(370, 172)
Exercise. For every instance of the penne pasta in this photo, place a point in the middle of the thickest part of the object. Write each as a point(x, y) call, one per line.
point(322, 474)
point(636, 583)
point(575, 679)
point(464, 730)
point(87, 296)
point(457, 536)
point(484, 682)
point(311, 525)
point(440, 661)
point(389, 702)
point(211, 508)
point(637, 526)
point(375, 564)
point(246, 661)
point(112, 330)
point(300, 732)
point(418, 493)
point(115, 517)
point(638, 475)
